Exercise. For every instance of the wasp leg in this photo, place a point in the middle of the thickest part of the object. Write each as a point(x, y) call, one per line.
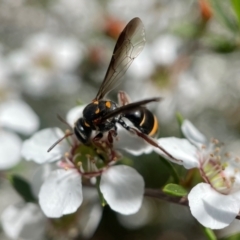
point(98, 137)
point(123, 98)
point(124, 125)
point(147, 139)
point(111, 135)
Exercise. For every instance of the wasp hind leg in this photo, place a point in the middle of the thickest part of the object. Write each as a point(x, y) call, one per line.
point(147, 139)
point(98, 137)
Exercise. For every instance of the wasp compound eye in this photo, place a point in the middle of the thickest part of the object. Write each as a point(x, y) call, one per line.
point(82, 131)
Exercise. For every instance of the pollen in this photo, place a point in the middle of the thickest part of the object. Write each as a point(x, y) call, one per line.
point(104, 145)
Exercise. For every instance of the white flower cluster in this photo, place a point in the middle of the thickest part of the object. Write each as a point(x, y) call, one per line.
point(61, 193)
point(214, 202)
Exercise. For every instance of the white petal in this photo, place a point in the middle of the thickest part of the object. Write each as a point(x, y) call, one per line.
point(74, 114)
point(17, 115)
point(23, 221)
point(61, 193)
point(131, 143)
point(193, 134)
point(90, 213)
point(10, 149)
point(181, 149)
point(141, 218)
point(123, 188)
point(232, 229)
point(35, 148)
point(210, 208)
point(39, 176)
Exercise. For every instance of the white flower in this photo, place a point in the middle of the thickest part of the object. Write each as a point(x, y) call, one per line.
point(23, 221)
point(46, 64)
point(215, 202)
point(165, 49)
point(61, 193)
point(18, 116)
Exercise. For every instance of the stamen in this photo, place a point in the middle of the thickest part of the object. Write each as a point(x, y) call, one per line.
point(210, 174)
point(76, 156)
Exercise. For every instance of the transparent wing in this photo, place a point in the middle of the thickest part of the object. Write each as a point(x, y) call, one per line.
point(129, 44)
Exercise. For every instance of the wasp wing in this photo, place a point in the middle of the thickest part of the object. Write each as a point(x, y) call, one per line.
point(129, 107)
point(129, 44)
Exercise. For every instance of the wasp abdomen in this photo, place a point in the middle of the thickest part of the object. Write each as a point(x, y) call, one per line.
point(144, 120)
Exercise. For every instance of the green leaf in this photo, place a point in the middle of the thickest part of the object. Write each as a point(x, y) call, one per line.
point(175, 190)
point(222, 14)
point(22, 187)
point(180, 118)
point(221, 44)
point(210, 234)
point(236, 7)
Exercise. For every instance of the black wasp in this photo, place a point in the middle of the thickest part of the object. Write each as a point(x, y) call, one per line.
point(101, 115)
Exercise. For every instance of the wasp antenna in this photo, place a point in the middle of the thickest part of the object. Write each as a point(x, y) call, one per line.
point(59, 140)
point(63, 121)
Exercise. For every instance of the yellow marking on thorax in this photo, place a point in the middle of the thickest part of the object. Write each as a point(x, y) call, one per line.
point(86, 124)
point(108, 104)
point(155, 127)
point(143, 120)
point(97, 111)
point(95, 102)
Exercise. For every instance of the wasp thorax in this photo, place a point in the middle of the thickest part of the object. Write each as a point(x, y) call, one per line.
point(97, 109)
